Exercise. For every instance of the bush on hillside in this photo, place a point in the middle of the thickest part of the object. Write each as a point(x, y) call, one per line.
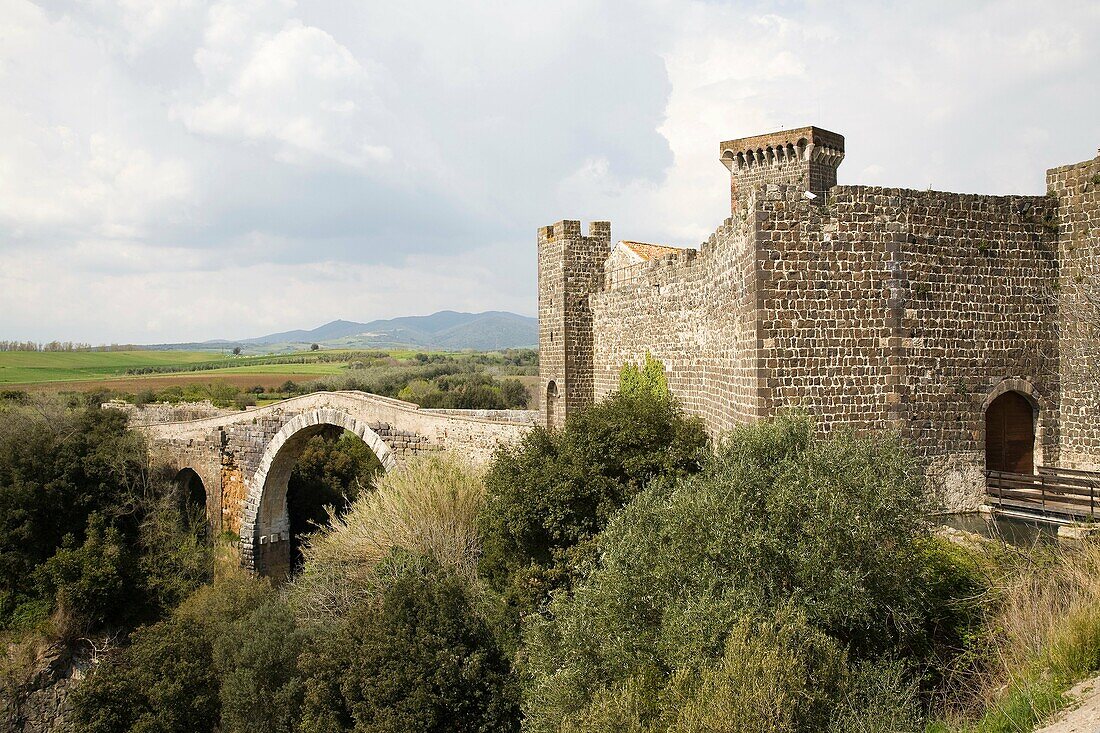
point(225, 660)
point(427, 507)
point(420, 660)
point(87, 529)
point(831, 529)
point(552, 492)
point(57, 468)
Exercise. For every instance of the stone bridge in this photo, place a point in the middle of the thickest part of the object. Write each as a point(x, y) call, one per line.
point(242, 461)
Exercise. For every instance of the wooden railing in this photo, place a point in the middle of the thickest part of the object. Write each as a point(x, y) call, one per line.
point(1060, 493)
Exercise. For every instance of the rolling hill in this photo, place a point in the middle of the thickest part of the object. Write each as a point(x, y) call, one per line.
point(445, 330)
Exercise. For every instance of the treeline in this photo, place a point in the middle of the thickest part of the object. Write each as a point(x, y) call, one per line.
point(64, 346)
point(520, 360)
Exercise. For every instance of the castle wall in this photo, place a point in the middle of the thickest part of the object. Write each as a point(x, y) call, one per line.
point(870, 308)
point(886, 309)
point(696, 312)
point(907, 310)
point(1076, 188)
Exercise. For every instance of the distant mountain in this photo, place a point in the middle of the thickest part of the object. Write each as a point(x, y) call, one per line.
point(446, 330)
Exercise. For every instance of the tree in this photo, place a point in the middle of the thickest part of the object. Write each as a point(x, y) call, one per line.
point(314, 347)
point(552, 492)
point(236, 351)
point(225, 660)
point(827, 533)
point(421, 661)
point(58, 467)
point(648, 378)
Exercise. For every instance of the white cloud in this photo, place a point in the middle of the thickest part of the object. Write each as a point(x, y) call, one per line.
point(178, 169)
point(296, 87)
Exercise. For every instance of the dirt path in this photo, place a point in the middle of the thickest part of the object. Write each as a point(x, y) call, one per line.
point(1085, 717)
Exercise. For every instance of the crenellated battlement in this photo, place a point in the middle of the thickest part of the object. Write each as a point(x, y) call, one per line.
point(571, 228)
point(807, 157)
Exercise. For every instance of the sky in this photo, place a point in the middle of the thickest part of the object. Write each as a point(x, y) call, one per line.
point(176, 170)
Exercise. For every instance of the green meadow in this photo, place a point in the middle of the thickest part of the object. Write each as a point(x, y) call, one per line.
point(28, 367)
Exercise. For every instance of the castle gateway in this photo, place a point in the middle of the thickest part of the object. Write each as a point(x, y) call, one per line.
point(967, 323)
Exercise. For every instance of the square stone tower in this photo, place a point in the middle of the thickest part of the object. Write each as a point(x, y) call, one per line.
point(807, 157)
point(570, 269)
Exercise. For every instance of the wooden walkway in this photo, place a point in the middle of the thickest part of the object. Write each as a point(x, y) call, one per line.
point(1058, 494)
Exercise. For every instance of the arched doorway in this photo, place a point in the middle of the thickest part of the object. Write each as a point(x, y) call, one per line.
point(1010, 434)
point(267, 527)
point(551, 403)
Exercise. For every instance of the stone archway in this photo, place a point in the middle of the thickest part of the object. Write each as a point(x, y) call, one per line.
point(265, 526)
point(194, 502)
point(551, 399)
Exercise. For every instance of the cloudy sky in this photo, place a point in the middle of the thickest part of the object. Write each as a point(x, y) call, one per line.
point(174, 170)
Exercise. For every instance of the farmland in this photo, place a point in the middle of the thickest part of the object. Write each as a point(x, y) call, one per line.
point(462, 379)
point(51, 370)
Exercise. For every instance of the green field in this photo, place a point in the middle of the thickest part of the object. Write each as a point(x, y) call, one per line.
point(19, 367)
point(40, 367)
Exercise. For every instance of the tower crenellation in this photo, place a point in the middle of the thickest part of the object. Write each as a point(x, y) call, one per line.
point(570, 270)
point(806, 157)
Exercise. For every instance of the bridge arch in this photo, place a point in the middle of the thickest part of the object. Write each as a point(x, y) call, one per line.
point(265, 525)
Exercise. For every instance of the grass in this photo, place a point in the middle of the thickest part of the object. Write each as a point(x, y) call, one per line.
point(1044, 638)
point(427, 507)
point(29, 367)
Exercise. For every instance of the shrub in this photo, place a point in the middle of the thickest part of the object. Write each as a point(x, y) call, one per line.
point(419, 660)
point(647, 379)
point(551, 493)
point(327, 477)
point(829, 529)
point(225, 660)
point(427, 507)
point(1042, 637)
point(57, 468)
point(95, 583)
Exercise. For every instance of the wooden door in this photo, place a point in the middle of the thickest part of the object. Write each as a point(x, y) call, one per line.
point(1010, 434)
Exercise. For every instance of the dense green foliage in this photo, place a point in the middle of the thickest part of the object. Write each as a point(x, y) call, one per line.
point(552, 493)
point(467, 392)
point(779, 523)
point(233, 658)
point(225, 660)
point(85, 530)
point(649, 378)
point(420, 660)
point(614, 575)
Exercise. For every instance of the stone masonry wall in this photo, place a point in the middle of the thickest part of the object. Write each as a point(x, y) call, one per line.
point(1076, 191)
point(904, 310)
point(885, 309)
point(696, 312)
